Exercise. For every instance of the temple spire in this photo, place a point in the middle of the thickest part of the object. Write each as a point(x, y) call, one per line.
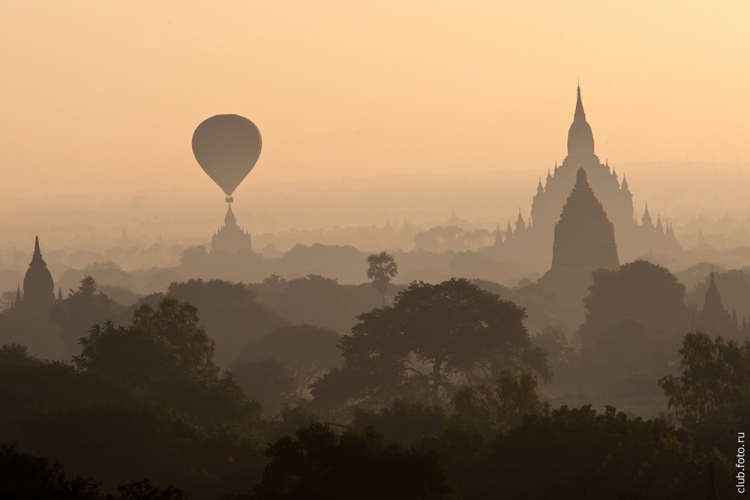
point(229, 218)
point(580, 137)
point(520, 224)
point(580, 114)
point(36, 246)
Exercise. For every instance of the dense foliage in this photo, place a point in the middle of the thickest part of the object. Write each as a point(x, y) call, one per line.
point(431, 338)
point(437, 398)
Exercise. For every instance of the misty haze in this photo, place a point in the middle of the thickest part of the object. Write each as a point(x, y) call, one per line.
point(337, 251)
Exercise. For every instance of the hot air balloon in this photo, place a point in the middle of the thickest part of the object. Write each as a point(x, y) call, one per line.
point(227, 147)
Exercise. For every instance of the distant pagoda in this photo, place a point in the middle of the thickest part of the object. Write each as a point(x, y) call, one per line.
point(714, 318)
point(231, 238)
point(38, 286)
point(528, 241)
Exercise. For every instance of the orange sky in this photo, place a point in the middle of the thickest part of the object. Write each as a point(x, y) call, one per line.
point(104, 95)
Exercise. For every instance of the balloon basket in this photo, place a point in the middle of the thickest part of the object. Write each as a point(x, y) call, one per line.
point(229, 199)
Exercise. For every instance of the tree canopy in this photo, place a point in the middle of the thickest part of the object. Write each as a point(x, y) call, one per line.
point(307, 352)
point(382, 268)
point(230, 314)
point(431, 338)
point(318, 464)
point(166, 354)
point(715, 380)
point(639, 291)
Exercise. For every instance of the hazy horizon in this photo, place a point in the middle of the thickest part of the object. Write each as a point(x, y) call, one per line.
point(105, 96)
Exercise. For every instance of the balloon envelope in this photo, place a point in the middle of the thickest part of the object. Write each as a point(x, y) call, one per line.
point(227, 147)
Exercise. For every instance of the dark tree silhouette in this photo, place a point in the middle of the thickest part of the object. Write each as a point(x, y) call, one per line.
point(499, 407)
point(639, 291)
point(23, 475)
point(165, 343)
point(316, 300)
point(318, 464)
point(715, 380)
point(81, 309)
point(165, 355)
point(406, 422)
point(306, 351)
point(382, 269)
point(230, 313)
point(432, 337)
point(268, 381)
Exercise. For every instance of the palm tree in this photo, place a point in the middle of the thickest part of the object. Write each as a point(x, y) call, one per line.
point(382, 269)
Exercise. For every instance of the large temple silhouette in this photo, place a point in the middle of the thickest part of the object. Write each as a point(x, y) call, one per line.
point(584, 241)
point(529, 242)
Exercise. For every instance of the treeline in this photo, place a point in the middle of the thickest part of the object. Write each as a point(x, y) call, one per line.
point(434, 396)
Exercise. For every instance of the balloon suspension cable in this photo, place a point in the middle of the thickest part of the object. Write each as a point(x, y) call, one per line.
point(229, 199)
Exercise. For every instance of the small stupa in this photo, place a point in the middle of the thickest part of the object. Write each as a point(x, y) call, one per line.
point(714, 318)
point(231, 238)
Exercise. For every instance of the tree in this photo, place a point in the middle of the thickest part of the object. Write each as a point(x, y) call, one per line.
point(318, 464)
point(306, 351)
point(23, 475)
point(499, 407)
point(315, 300)
point(382, 269)
point(639, 291)
point(592, 455)
point(715, 380)
point(165, 355)
point(432, 337)
point(268, 381)
point(229, 312)
point(161, 344)
point(81, 309)
point(406, 422)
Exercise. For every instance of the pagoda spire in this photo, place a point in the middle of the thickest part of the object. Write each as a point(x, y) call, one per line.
point(580, 114)
point(624, 186)
point(580, 137)
point(646, 221)
point(714, 318)
point(520, 224)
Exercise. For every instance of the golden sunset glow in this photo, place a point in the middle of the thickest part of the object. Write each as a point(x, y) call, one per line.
point(104, 96)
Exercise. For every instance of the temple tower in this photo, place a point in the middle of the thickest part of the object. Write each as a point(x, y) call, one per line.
point(584, 236)
point(530, 248)
point(714, 318)
point(584, 242)
point(231, 238)
point(38, 286)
